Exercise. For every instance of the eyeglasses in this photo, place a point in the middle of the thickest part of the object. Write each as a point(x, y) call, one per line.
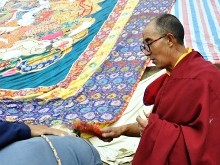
point(145, 48)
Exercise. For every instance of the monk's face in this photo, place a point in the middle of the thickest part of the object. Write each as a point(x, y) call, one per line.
point(158, 45)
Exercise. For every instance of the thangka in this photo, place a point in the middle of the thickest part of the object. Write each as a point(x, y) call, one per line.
point(62, 60)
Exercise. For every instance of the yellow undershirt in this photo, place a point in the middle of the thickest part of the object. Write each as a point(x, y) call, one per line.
point(180, 58)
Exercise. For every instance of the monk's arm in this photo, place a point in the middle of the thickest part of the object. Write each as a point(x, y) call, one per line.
point(131, 130)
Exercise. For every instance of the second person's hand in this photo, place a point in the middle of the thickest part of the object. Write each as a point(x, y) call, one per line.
point(37, 130)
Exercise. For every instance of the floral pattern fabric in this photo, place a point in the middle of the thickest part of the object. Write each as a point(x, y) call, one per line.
point(86, 65)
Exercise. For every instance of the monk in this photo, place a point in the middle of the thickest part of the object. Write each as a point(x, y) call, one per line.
point(184, 125)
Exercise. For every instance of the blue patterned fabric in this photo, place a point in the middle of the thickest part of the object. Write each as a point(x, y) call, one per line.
point(105, 94)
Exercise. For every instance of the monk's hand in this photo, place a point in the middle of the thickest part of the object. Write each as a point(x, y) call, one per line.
point(142, 123)
point(109, 133)
point(37, 130)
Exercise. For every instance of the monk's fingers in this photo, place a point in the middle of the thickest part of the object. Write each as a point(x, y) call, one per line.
point(107, 129)
point(142, 122)
point(141, 130)
point(109, 132)
point(146, 114)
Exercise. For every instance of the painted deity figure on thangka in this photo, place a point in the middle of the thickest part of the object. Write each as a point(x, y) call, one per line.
point(36, 34)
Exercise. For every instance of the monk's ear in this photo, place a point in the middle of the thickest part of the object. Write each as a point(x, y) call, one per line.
point(170, 39)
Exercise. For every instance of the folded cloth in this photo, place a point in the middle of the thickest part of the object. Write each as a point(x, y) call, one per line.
point(122, 149)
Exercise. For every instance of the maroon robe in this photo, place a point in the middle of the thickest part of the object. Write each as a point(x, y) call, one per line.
point(184, 127)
